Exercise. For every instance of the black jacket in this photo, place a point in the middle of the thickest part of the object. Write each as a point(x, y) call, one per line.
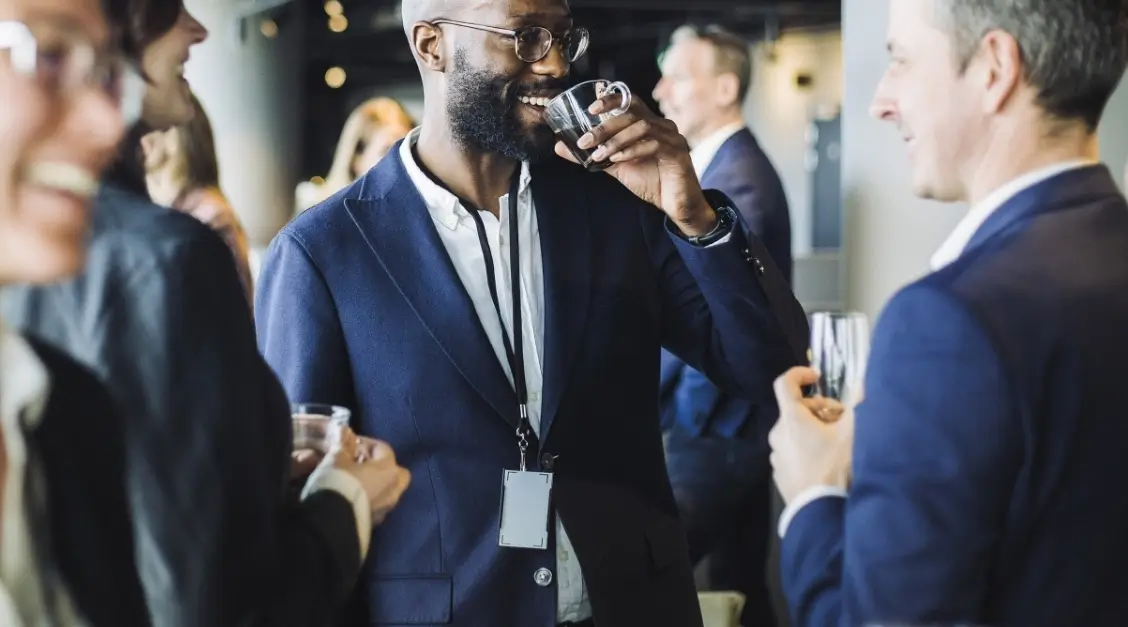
point(160, 315)
point(76, 458)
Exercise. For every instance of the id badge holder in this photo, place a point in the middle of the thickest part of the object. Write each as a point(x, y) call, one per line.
point(524, 509)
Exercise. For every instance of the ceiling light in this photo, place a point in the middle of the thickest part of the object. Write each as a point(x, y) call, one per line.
point(335, 77)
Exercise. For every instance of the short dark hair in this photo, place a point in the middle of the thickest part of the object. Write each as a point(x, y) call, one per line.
point(136, 24)
point(731, 52)
point(1074, 51)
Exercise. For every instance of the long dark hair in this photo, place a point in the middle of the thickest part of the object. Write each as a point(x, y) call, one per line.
point(136, 24)
point(197, 148)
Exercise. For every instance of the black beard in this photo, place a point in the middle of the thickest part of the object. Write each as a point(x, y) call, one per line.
point(484, 118)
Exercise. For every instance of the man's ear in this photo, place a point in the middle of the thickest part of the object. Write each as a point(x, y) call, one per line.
point(427, 46)
point(728, 89)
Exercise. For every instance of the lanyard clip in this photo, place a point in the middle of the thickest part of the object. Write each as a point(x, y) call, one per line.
point(523, 433)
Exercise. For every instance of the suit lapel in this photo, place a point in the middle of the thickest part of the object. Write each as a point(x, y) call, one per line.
point(1062, 191)
point(563, 219)
point(396, 225)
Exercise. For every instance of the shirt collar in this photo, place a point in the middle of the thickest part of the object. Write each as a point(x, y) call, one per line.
point(24, 382)
point(703, 153)
point(954, 246)
point(444, 207)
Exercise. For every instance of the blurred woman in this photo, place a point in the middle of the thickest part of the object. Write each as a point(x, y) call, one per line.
point(182, 172)
point(370, 132)
point(159, 313)
point(66, 545)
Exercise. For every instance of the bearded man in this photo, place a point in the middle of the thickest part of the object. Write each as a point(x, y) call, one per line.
point(496, 313)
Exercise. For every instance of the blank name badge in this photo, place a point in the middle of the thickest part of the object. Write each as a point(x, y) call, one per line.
point(524, 509)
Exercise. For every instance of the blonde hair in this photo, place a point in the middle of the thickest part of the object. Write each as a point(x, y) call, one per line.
point(372, 113)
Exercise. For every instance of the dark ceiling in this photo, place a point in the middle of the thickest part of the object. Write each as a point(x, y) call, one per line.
point(626, 37)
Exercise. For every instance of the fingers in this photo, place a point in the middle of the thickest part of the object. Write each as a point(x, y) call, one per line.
point(390, 498)
point(825, 409)
point(789, 386)
point(376, 450)
point(562, 151)
point(302, 462)
point(625, 131)
point(610, 102)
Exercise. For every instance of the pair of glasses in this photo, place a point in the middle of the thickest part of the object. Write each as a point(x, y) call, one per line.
point(63, 61)
point(532, 43)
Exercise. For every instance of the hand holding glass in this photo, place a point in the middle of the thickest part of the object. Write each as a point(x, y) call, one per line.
point(839, 350)
point(315, 427)
point(568, 116)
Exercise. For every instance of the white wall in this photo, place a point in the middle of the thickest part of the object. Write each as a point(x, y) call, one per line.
point(251, 89)
point(779, 112)
point(890, 234)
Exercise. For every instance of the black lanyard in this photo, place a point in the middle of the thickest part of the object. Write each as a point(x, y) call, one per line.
point(515, 350)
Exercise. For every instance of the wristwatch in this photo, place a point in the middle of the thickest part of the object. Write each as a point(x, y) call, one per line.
point(726, 217)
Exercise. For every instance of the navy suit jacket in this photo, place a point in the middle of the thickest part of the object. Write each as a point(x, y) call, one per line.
point(360, 305)
point(690, 400)
point(989, 450)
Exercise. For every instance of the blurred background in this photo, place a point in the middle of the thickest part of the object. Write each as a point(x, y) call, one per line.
point(280, 77)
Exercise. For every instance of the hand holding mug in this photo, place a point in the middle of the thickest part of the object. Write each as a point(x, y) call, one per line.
point(644, 151)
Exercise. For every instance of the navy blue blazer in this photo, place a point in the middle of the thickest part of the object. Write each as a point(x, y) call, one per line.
point(689, 399)
point(989, 461)
point(360, 305)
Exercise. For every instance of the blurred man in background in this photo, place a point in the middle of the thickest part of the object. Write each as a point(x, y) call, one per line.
point(717, 444)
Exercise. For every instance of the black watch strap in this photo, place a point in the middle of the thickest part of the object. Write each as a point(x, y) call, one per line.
point(726, 217)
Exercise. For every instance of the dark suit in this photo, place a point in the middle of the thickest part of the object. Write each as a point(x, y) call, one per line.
point(988, 461)
point(76, 458)
point(360, 304)
point(717, 449)
point(160, 315)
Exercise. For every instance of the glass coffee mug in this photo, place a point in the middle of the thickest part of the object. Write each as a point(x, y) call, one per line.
point(567, 115)
point(314, 423)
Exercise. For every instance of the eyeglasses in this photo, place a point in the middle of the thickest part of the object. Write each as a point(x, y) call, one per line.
point(532, 43)
point(63, 61)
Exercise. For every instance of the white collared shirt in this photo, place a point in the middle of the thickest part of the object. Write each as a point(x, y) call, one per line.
point(703, 153)
point(948, 252)
point(954, 246)
point(24, 388)
point(459, 234)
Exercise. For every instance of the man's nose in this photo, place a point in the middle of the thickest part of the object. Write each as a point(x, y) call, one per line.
point(554, 64)
point(883, 106)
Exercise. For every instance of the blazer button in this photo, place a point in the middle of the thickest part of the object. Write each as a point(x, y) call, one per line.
point(548, 462)
point(543, 577)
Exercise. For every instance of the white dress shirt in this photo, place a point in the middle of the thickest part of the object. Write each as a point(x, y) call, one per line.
point(954, 246)
point(459, 235)
point(948, 252)
point(703, 153)
point(24, 389)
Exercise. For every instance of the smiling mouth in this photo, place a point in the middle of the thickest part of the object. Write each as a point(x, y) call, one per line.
point(65, 178)
point(539, 102)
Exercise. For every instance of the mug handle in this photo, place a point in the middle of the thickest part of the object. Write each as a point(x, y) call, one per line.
point(624, 93)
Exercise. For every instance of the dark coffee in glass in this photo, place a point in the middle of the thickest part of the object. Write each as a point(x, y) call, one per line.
point(567, 115)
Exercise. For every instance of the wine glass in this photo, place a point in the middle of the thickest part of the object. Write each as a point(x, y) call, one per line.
point(839, 350)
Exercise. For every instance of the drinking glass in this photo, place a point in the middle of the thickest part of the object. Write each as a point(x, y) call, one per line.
point(567, 115)
point(313, 423)
point(839, 350)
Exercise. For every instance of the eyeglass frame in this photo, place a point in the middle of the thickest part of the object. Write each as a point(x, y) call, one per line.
point(515, 32)
point(23, 47)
